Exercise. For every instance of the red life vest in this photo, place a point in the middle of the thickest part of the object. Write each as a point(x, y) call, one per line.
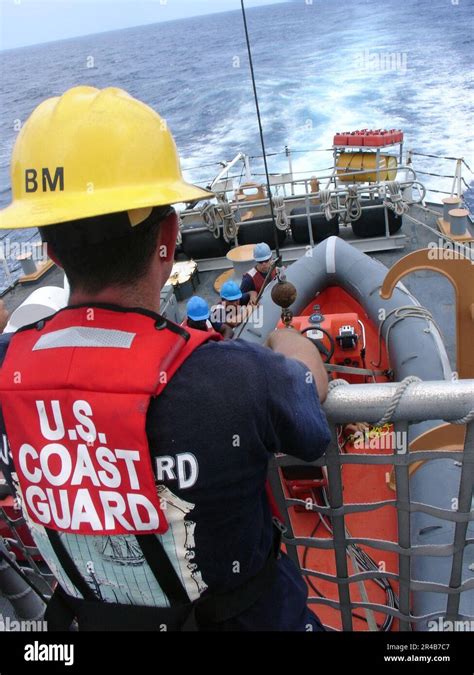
point(258, 278)
point(75, 391)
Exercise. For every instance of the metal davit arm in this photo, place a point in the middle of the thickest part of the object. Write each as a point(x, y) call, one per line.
point(460, 272)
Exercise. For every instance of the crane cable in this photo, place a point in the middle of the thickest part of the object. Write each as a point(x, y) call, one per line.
point(262, 140)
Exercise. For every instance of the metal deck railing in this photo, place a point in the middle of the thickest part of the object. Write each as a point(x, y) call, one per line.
point(339, 199)
point(449, 401)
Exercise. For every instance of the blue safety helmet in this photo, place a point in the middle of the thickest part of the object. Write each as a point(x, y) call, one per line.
point(230, 291)
point(262, 252)
point(197, 309)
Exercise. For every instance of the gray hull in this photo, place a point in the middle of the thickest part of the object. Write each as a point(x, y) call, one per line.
point(415, 348)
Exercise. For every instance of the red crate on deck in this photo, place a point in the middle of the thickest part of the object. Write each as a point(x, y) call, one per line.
point(340, 139)
point(374, 138)
point(356, 138)
point(369, 137)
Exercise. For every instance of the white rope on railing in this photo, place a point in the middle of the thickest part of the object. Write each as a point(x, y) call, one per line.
point(179, 236)
point(213, 219)
point(467, 419)
point(282, 220)
point(394, 199)
point(353, 208)
point(327, 204)
point(230, 228)
point(400, 390)
point(397, 397)
point(336, 383)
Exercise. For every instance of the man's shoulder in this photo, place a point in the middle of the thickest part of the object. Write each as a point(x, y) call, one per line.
point(234, 350)
point(243, 357)
point(218, 372)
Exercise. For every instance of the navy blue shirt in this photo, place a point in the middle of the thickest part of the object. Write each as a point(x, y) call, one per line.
point(247, 284)
point(211, 434)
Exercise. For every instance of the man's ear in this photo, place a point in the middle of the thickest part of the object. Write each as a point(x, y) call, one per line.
point(167, 237)
point(52, 255)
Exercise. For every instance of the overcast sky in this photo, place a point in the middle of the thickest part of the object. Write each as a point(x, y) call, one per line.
point(27, 22)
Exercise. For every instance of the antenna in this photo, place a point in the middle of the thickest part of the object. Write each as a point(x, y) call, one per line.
point(262, 140)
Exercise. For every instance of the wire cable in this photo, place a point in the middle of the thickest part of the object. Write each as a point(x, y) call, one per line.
point(262, 140)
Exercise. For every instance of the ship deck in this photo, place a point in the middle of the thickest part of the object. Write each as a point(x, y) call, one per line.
point(432, 290)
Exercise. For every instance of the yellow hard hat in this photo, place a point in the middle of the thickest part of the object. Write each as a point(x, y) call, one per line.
point(91, 152)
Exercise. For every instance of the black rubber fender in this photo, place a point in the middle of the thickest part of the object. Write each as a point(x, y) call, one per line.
point(321, 228)
point(254, 233)
point(198, 243)
point(372, 223)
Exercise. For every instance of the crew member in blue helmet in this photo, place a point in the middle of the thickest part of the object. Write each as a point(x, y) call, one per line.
point(198, 317)
point(254, 279)
point(197, 312)
point(229, 312)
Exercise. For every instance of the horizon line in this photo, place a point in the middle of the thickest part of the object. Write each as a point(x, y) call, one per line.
point(142, 25)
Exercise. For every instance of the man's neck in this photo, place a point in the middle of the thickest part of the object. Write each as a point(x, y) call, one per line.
point(133, 297)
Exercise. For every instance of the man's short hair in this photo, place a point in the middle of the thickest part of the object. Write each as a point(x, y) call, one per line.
point(105, 250)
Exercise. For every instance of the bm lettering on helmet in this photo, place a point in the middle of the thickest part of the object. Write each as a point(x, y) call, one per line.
point(48, 183)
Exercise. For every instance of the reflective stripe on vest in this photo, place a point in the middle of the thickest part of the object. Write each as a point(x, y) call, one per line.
point(75, 391)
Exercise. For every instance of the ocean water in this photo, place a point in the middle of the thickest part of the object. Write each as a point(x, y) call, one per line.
point(321, 67)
